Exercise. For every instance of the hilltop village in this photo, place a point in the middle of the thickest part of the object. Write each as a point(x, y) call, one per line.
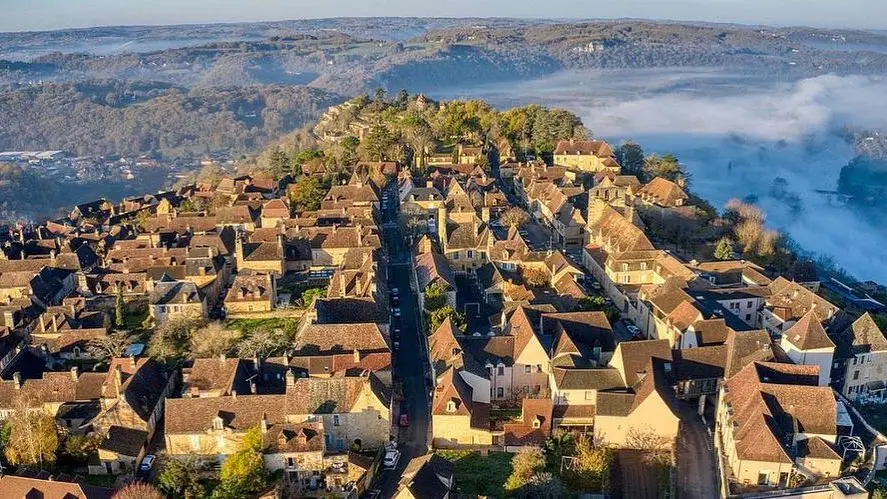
point(421, 299)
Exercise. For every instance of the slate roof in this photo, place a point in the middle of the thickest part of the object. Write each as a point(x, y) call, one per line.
point(167, 292)
point(428, 477)
point(124, 441)
point(587, 379)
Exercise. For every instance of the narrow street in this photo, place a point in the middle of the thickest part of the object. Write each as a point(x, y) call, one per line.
point(410, 360)
point(696, 472)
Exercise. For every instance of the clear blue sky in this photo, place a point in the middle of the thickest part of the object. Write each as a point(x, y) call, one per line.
point(22, 15)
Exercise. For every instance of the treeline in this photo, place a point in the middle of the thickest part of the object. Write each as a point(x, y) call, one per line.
point(400, 129)
point(113, 117)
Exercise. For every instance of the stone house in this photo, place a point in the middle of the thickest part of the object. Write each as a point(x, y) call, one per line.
point(171, 298)
point(588, 156)
point(775, 427)
point(860, 369)
point(251, 293)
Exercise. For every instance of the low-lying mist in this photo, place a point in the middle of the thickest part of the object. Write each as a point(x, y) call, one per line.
point(737, 133)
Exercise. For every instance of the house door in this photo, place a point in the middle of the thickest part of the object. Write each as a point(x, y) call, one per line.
point(108, 468)
point(783, 479)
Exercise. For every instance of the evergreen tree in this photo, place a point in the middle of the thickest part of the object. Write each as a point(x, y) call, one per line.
point(724, 251)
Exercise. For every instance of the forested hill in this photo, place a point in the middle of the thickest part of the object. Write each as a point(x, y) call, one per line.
point(130, 118)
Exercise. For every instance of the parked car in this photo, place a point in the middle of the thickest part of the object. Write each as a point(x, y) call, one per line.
point(395, 291)
point(395, 300)
point(392, 457)
point(147, 463)
point(396, 345)
point(404, 420)
point(396, 311)
point(395, 334)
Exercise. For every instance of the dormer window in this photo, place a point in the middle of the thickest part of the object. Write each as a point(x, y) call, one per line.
point(455, 351)
point(537, 423)
point(451, 406)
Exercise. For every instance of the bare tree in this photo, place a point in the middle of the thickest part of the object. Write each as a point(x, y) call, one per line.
point(110, 345)
point(212, 340)
point(514, 217)
point(654, 446)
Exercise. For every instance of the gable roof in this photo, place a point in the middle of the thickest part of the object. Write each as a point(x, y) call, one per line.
point(634, 357)
point(22, 487)
point(452, 388)
point(663, 192)
point(865, 335)
point(342, 338)
point(332, 395)
point(539, 411)
point(769, 402)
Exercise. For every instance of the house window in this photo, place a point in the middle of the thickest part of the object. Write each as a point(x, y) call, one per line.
point(501, 371)
point(626, 279)
point(749, 304)
point(625, 267)
point(456, 255)
point(470, 254)
point(217, 423)
point(748, 317)
point(764, 478)
point(527, 369)
point(643, 265)
point(589, 394)
point(500, 392)
point(855, 375)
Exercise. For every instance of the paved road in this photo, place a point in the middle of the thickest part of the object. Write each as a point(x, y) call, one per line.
point(410, 361)
point(695, 456)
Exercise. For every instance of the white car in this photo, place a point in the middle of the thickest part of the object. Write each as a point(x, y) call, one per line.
point(392, 457)
point(397, 312)
point(147, 462)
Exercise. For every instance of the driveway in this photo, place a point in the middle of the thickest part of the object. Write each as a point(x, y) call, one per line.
point(696, 472)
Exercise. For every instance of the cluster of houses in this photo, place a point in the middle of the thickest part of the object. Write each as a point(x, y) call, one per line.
point(324, 408)
point(771, 360)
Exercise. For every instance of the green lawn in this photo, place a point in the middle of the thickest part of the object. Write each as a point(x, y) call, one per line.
point(248, 326)
point(478, 475)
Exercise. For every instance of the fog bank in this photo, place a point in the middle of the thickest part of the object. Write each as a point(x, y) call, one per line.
point(736, 133)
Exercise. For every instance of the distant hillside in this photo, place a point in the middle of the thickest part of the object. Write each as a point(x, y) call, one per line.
point(111, 117)
point(351, 56)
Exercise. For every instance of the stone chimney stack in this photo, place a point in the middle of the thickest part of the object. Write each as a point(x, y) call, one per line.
point(75, 373)
point(290, 378)
point(17, 380)
point(118, 379)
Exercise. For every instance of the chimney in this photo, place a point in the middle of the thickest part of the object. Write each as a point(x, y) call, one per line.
point(234, 394)
point(429, 184)
point(223, 357)
point(41, 322)
point(356, 355)
point(264, 422)
point(118, 379)
point(17, 380)
point(252, 387)
point(75, 373)
point(55, 326)
point(132, 362)
point(290, 378)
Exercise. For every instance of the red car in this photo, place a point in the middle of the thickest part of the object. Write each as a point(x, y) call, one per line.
point(404, 420)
